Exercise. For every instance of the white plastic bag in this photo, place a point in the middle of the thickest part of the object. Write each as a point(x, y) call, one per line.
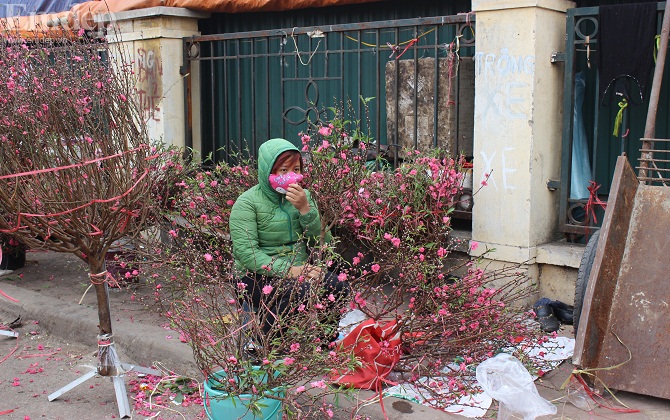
point(505, 379)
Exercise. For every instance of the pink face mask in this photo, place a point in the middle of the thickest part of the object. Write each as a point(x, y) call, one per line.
point(280, 183)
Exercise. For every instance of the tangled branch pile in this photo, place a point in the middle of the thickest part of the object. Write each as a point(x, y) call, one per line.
point(399, 221)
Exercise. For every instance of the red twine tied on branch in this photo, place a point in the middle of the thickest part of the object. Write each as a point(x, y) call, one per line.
point(74, 165)
point(593, 201)
point(103, 277)
point(90, 203)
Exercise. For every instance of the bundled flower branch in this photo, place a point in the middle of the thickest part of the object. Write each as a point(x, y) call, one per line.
point(76, 162)
point(399, 221)
point(278, 349)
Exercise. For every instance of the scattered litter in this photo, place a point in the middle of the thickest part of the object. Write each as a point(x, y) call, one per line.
point(473, 406)
point(350, 321)
point(506, 379)
point(546, 357)
point(8, 330)
point(577, 396)
point(549, 355)
point(16, 323)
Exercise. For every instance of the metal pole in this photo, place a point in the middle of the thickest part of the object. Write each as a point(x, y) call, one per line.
point(650, 125)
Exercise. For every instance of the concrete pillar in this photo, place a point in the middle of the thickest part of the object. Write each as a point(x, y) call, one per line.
point(153, 39)
point(517, 133)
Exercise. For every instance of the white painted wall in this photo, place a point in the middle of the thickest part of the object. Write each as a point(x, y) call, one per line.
point(153, 38)
point(517, 135)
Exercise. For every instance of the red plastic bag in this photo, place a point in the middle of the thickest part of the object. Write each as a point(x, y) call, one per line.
point(377, 346)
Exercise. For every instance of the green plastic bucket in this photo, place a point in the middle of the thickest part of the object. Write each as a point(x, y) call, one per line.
point(220, 406)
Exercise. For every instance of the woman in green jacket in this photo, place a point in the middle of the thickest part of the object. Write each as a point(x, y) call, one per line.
point(270, 229)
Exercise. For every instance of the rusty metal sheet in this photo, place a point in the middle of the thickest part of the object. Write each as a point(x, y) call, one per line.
point(629, 305)
point(605, 270)
point(640, 313)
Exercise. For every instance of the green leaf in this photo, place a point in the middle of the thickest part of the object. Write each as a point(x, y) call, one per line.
point(179, 398)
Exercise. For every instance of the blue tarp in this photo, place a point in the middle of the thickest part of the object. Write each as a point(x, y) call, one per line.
point(16, 8)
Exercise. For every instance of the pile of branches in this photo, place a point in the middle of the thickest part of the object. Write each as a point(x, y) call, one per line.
point(447, 323)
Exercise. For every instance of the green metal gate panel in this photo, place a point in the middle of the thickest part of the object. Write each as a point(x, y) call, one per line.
point(274, 83)
point(604, 147)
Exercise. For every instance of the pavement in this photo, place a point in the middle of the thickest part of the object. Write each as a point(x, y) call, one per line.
point(50, 291)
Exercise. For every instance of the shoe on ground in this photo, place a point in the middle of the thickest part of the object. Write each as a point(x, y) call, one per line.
point(544, 315)
point(562, 311)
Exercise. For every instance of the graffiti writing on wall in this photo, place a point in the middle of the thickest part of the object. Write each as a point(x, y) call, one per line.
point(149, 69)
point(503, 76)
point(504, 161)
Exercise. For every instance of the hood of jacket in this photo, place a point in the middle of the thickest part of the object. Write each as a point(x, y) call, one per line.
point(267, 155)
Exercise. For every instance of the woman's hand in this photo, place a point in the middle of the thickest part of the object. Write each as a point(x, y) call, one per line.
point(308, 271)
point(297, 196)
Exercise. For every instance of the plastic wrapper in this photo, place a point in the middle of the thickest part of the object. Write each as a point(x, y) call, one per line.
point(108, 360)
point(580, 172)
point(505, 379)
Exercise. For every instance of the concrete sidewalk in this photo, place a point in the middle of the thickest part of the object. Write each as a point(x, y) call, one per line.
point(49, 288)
point(49, 291)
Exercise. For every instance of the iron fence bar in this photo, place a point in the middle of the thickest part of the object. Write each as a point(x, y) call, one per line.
point(253, 98)
point(650, 179)
point(268, 123)
point(307, 79)
point(416, 90)
point(239, 96)
point(226, 110)
point(596, 123)
point(259, 55)
point(568, 103)
point(457, 97)
point(436, 90)
point(310, 69)
point(185, 71)
point(359, 90)
point(396, 102)
point(427, 21)
point(342, 67)
point(378, 95)
point(282, 57)
point(656, 169)
point(212, 110)
point(327, 55)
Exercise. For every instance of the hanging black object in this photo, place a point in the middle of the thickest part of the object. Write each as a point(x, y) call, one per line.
point(625, 50)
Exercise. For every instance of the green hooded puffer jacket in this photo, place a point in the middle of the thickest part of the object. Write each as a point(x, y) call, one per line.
point(266, 229)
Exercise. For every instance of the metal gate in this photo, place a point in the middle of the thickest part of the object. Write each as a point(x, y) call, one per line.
point(264, 84)
point(603, 146)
